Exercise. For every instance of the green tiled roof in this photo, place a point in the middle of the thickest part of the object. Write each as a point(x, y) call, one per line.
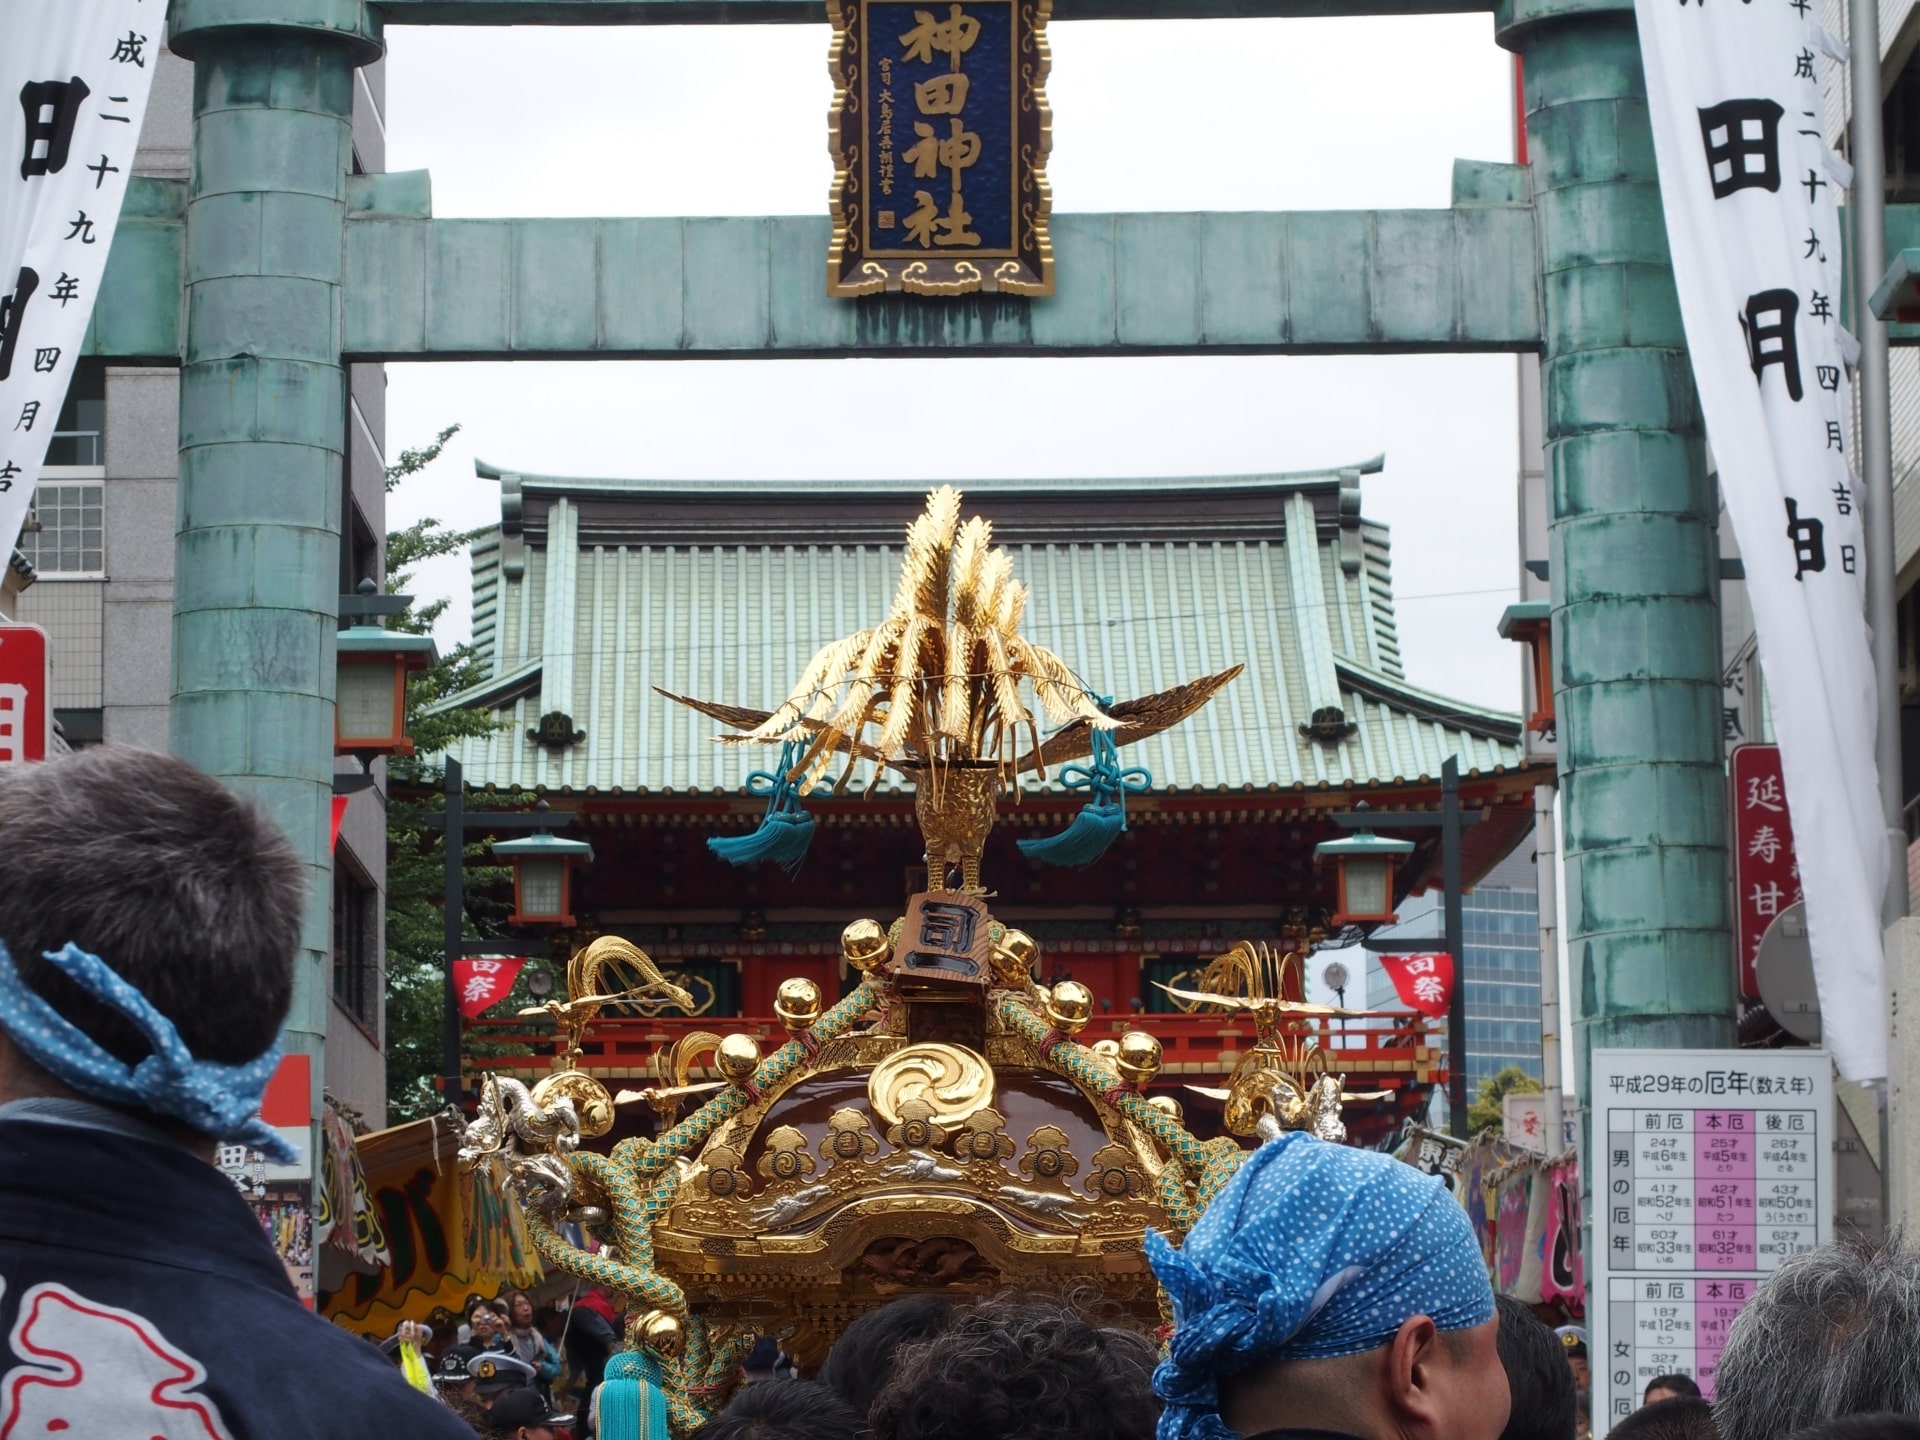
point(593, 592)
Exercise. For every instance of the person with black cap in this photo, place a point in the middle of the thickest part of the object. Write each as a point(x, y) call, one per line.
point(450, 1373)
point(523, 1415)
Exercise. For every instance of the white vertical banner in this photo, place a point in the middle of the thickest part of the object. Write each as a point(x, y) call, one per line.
point(74, 77)
point(1752, 210)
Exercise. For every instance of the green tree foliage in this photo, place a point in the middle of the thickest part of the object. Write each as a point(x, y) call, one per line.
point(1484, 1112)
point(416, 981)
point(460, 669)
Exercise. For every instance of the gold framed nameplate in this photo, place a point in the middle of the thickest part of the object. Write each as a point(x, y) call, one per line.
point(940, 133)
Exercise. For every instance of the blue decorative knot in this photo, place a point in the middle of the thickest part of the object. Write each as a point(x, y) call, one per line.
point(1102, 819)
point(785, 832)
point(222, 1101)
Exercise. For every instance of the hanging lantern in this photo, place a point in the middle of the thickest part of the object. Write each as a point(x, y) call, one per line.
point(370, 694)
point(1365, 876)
point(1531, 623)
point(543, 877)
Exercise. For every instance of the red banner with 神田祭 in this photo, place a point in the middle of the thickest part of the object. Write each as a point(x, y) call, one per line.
point(1423, 982)
point(484, 981)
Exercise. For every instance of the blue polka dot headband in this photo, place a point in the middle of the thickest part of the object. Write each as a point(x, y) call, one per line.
point(1310, 1252)
point(222, 1101)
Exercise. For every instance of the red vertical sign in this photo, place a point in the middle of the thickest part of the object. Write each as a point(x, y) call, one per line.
point(26, 694)
point(1766, 876)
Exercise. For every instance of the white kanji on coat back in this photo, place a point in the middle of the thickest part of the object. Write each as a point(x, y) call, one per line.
point(90, 1370)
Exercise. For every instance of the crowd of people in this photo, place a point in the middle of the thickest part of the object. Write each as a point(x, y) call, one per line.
point(503, 1347)
point(1327, 1293)
point(1330, 1294)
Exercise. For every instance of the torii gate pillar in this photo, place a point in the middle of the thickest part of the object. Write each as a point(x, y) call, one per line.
point(1633, 550)
point(263, 424)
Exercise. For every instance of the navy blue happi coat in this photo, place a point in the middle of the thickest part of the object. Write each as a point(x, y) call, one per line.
point(139, 1300)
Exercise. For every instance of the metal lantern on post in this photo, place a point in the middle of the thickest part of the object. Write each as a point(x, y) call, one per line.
point(1365, 876)
point(1530, 623)
point(370, 706)
point(543, 877)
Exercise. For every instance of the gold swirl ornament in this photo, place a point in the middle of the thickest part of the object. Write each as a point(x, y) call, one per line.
point(951, 1080)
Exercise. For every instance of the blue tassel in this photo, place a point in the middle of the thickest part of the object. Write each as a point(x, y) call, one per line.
point(1102, 818)
point(786, 831)
point(632, 1399)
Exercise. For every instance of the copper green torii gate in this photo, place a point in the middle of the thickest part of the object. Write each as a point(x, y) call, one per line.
point(290, 268)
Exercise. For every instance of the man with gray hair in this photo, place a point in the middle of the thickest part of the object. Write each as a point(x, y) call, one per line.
point(1834, 1331)
point(149, 920)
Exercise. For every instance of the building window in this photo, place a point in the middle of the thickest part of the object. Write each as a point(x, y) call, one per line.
point(356, 949)
point(77, 438)
point(67, 541)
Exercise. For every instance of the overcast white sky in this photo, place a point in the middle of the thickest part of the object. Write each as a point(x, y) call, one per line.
point(1217, 115)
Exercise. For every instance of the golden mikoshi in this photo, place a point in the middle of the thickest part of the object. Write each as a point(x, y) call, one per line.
point(940, 1127)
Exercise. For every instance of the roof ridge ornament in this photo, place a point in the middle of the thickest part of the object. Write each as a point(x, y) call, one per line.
point(555, 731)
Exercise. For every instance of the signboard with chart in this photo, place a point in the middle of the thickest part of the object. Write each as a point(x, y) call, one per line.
point(1710, 1167)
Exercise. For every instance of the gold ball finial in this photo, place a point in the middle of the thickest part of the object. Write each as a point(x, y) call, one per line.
point(1024, 949)
point(1107, 1049)
point(1139, 1059)
point(738, 1056)
point(863, 945)
point(661, 1333)
point(797, 1003)
point(1070, 1006)
point(1170, 1105)
point(592, 1105)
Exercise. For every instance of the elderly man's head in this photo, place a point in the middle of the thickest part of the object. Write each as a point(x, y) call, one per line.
point(1830, 1333)
point(1332, 1289)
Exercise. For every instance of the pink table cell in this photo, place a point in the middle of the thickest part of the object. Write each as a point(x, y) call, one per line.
point(1706, 1364)
point(1723, 1170)
point(1715, 1304)
point(1723, 1144)
point(1723, 1247)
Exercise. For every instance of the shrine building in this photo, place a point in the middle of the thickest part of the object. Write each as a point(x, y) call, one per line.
point(594, 596)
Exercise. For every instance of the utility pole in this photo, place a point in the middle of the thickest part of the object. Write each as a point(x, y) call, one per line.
point(1869, 204)
point(455, 823)
point(1449, 822)
point(1547, 880)
point(1456, 946)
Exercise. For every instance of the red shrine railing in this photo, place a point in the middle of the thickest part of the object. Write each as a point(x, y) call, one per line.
point(1395, 1050)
